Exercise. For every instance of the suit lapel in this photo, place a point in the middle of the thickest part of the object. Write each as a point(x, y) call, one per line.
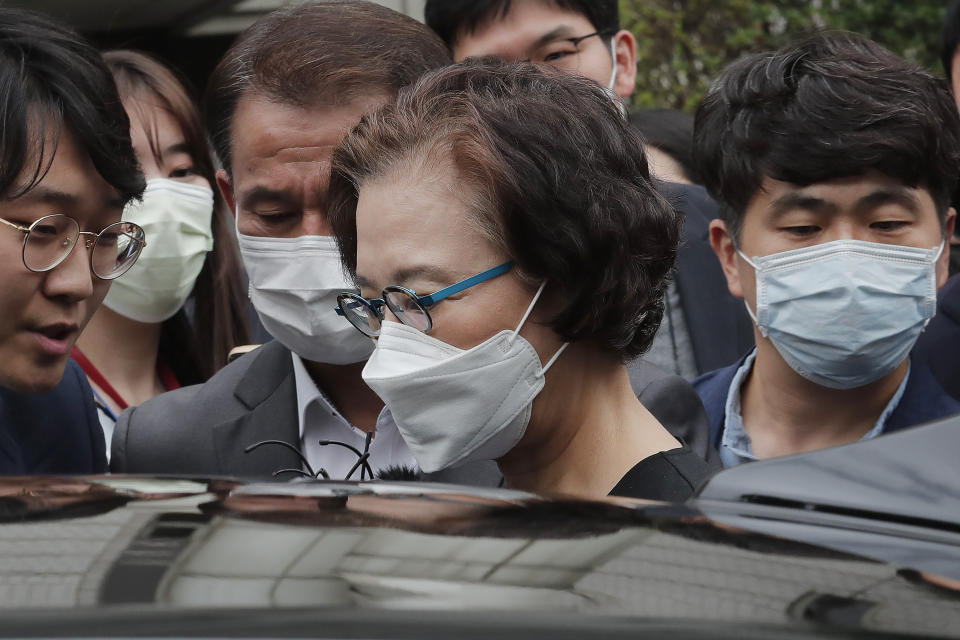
point(269, 391)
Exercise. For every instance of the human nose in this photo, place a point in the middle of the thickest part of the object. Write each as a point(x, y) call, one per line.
point(72, 278)
point(314, 223)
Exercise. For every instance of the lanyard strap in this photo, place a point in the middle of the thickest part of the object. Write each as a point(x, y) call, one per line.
point(98, 378)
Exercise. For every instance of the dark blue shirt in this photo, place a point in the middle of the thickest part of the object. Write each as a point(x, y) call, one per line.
point(923, 400)
point(52, 433)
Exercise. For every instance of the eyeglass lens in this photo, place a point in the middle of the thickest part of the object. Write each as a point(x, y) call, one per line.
point(117, 249)
point(360, 314)
point(51, 239)
point(404, 305)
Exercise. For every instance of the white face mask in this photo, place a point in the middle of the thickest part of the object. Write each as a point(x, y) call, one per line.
point(846, 313)
point(294, 284)
point(455, 406)
point(176, 219)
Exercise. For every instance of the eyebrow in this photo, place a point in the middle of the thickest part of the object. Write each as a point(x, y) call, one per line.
point(562, 32)
point(179, 147)
point(400, 276)
point(805, 202)
point(260, 194)
point(47, 195)
point(889, 195)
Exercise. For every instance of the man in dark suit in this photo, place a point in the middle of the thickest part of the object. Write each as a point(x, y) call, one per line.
point(274, 124)
point(67, 168)
point(703, 326)
point(836, 161)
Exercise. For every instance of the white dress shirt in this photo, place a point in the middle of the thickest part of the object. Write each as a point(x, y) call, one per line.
point(320, 420)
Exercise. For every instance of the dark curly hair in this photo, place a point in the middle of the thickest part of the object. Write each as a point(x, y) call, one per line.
point(560, 184)
point(831, 106)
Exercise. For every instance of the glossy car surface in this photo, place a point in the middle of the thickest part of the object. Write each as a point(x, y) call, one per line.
point(122, 555)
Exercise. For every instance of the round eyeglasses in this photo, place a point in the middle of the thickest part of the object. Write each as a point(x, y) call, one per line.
point(48, 241)
point(408, 307)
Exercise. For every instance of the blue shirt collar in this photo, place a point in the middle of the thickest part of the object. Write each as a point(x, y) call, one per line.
point(735, 442)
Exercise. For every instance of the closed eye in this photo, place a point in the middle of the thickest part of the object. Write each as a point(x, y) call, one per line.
point(889, 225)
point(183, 172)
point(802, 231)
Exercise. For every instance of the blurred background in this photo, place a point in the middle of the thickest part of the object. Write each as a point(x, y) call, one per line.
point(191, 35)
point(682, 44)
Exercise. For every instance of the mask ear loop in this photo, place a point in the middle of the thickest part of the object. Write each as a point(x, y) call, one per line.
point(753, 316)
point(523, 320)
point(613, 74)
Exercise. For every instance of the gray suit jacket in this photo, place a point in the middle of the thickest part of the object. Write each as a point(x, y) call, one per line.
point(204, 429)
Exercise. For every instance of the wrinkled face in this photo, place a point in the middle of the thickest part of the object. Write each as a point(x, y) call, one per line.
point(44, 312)
point(414, 231)
point(175, 162)
point(539, 31)
point(281, 164)
point(872, 208)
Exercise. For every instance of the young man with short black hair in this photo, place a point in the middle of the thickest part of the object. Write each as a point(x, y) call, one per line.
point(67, 168)
point(836, 161)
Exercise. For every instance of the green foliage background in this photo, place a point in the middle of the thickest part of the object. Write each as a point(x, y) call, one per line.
point(683, 44)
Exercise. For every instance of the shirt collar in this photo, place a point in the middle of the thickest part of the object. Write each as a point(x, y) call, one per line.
point(735, 443)
point(308, 393)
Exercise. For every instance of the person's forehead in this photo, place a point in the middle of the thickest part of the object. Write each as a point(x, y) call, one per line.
point(270, 135)
point(148, 118)
point(71, 177)
point(523, 25)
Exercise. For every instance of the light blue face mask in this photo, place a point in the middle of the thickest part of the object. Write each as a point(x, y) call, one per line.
point(844, 314)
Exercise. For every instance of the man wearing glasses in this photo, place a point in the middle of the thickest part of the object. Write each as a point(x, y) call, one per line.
point(67, 168)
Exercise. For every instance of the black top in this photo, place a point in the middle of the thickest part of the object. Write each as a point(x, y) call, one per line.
point(56, 432)
point(670, 476)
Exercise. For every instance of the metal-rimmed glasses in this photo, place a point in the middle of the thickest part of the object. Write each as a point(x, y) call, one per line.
point(407, 305)
point(48, 241)
point(564, 53)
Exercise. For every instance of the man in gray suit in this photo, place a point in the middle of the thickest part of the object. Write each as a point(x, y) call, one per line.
point(279, 101)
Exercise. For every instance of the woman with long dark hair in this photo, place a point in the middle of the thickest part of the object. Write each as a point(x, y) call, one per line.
point(176, 317)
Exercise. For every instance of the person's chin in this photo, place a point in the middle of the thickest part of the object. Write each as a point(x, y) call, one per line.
point(38, 375)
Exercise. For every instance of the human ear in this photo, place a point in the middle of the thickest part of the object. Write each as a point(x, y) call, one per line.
point(626, 62)
point(726, 250)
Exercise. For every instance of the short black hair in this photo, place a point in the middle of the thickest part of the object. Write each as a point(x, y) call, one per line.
point(453, 18)
point(950, 40)
point(326, 52)
point(51, 79)
point(559, 181)
point(670, 131)
point(831, 106)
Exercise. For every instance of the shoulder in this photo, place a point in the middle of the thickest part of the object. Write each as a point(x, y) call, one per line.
point(693, 200)
point(948, 300)
point(673, 402)
point(163, 428)
point(57, 431)
point(713, 386)
point(923, 400)
point(670, 476)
